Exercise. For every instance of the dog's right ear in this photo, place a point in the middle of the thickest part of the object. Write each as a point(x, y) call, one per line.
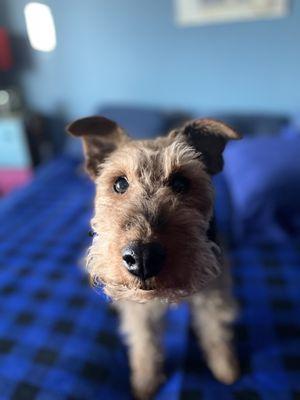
point(100, 137)
point(209, 138)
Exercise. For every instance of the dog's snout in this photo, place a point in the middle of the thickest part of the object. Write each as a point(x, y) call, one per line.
point(144, 260)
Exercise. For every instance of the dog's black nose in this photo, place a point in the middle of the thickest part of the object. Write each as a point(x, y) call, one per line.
point(144, 260)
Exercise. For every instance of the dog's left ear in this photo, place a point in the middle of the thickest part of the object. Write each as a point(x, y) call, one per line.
point(100, 137)
point(209, 138)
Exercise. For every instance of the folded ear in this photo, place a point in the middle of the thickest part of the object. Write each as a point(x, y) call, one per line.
point(100, 137)
point(209, 138)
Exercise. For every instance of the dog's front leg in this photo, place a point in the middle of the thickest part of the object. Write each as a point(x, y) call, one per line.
point(213, 312)
point(141, 324)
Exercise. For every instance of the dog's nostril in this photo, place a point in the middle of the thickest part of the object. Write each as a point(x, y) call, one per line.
point(129, 260)
point(144, 260)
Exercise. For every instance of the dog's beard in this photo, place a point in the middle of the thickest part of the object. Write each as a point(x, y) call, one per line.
point(205, 267)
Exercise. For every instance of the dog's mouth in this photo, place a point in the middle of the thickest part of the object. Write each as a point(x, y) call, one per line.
point(147, 285)
point(143, 291)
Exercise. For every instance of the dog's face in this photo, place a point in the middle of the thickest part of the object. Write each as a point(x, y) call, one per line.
point(153, 205)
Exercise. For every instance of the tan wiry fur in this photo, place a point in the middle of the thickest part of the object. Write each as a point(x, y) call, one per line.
point(150, 211)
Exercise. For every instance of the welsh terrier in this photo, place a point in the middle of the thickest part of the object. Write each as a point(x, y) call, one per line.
point(153, 209)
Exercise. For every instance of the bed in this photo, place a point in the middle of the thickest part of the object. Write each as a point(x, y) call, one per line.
point(59, 338)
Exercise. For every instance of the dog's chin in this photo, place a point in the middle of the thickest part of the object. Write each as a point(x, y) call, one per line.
point(146, 292)
point(155, 288)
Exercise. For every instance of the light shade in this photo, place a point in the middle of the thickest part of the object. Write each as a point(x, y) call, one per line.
point(40, 26)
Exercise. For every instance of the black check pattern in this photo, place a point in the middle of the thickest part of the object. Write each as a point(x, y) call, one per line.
point(59, 340)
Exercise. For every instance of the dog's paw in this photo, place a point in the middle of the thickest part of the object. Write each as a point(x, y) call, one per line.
point(224, 365)
point(145, 387)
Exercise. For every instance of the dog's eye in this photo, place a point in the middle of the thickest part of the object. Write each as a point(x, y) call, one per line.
point(121, 185)
point(179, 183)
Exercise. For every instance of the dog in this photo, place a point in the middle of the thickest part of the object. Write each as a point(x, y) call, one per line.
point(153, 209)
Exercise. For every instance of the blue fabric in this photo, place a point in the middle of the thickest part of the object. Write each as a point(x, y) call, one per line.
point(293, 128)
point(223, 208)
point(263, 176)
point(59, 339)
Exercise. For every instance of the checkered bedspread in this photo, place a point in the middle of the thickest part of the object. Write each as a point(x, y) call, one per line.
point(59, 340)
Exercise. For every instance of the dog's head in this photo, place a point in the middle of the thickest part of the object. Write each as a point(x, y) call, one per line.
point(153, 205)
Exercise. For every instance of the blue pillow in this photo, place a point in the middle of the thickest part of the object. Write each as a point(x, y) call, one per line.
point(263, 176)
point(139, 122)
point(293, 128)
point(222, 208)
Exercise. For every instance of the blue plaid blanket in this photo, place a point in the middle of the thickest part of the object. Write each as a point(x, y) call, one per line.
point(59, 339)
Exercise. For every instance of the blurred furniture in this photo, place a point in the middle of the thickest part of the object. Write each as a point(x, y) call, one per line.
point(15, 160)
point(46, 136)
point(254, 124)
point(6, 61)
point(10, 101)
point(26, 141)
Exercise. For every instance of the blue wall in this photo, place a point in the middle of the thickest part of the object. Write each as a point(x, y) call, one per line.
point(132, 51)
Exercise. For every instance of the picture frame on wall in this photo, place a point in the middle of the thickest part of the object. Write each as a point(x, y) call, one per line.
point(204, 12)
